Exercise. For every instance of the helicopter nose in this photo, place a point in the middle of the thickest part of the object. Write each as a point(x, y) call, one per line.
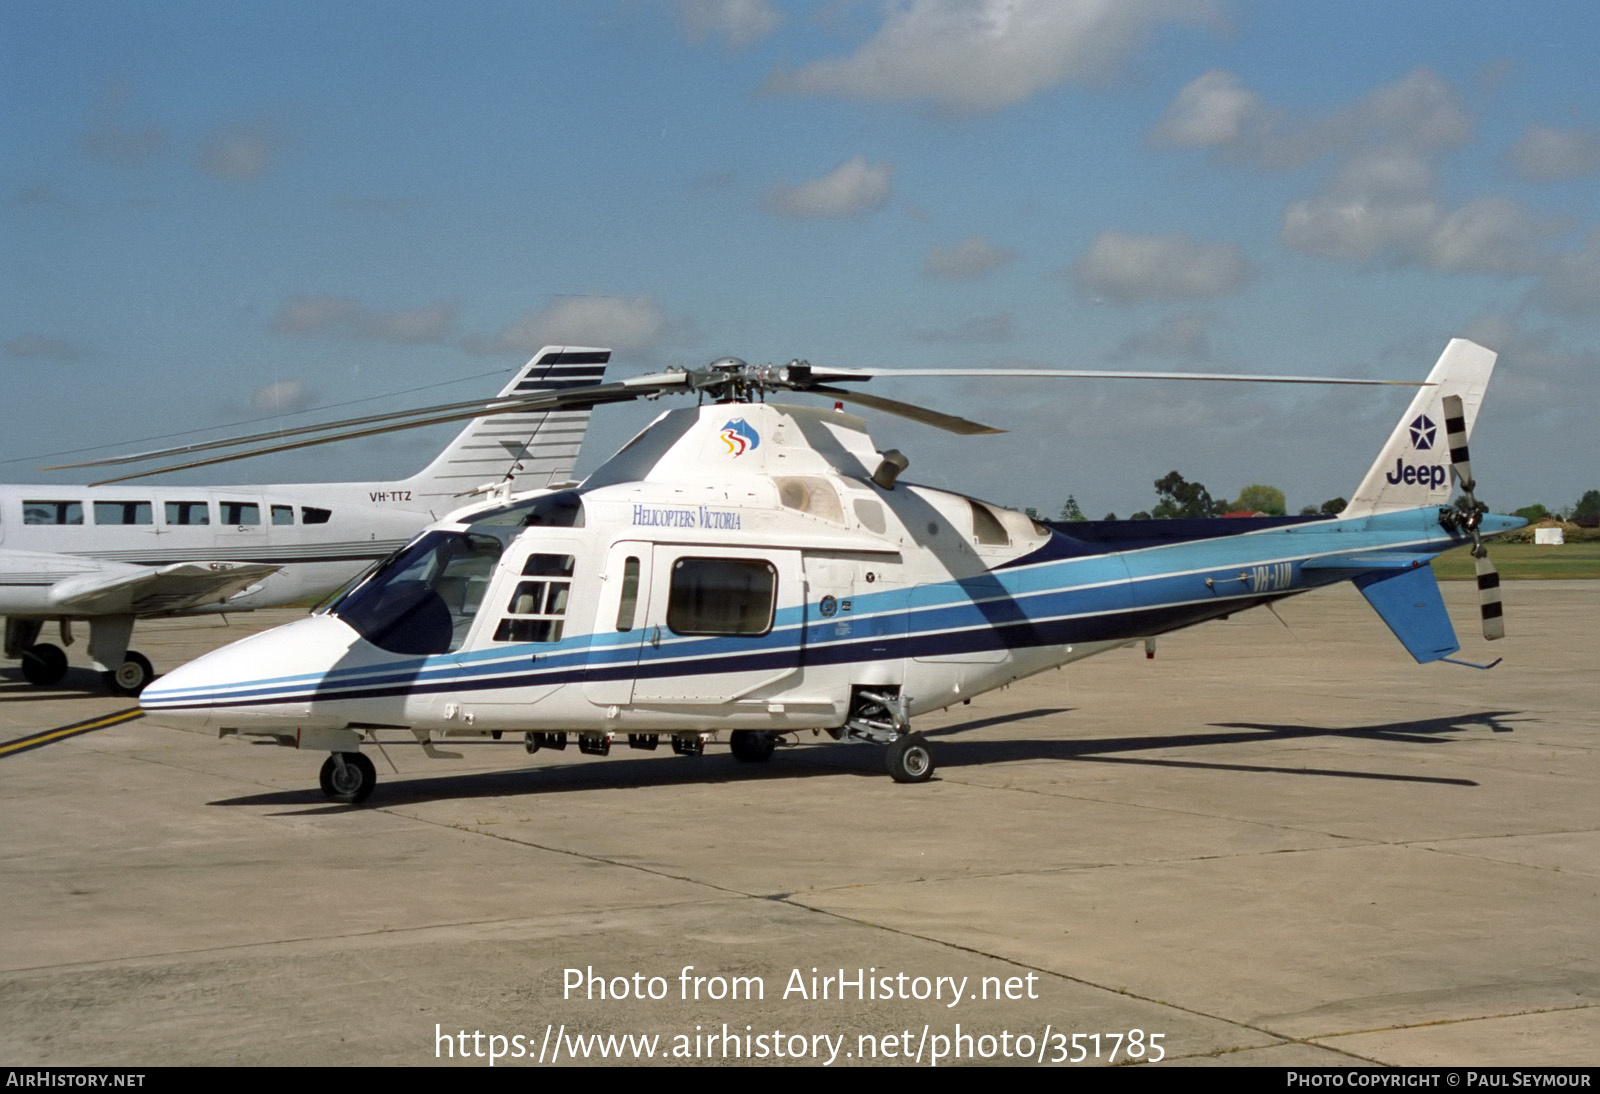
point(264, 679)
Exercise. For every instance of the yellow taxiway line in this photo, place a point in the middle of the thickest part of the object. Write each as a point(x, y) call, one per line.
point(44, 737)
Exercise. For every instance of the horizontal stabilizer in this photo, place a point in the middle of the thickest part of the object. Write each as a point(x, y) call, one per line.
point(1409, 602)
point(157, 590)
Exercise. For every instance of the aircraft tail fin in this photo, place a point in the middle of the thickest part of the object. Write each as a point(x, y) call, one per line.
point(1413, 468)
point(530, 450)
point(1409, 602)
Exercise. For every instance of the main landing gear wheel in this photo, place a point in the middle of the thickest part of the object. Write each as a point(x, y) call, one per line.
point(351, 781)
point(44, 664)
point(910, 760)
point(132, 675)
point(753, 746)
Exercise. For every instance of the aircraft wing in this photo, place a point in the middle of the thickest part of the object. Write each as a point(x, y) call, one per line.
point(155, 590)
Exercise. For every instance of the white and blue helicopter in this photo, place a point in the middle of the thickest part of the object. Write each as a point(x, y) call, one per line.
point(761, 570)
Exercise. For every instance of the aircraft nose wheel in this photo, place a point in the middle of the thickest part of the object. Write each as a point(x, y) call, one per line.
point(752, 745)
point(910, 760)
point(44, 664)
point(131, 677)
point(348, 777)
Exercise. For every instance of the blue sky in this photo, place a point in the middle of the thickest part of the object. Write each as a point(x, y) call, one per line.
point(214, 212)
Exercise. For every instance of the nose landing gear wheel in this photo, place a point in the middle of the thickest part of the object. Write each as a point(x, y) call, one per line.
point(351, 781)
point(131, 677)
point(910, 760)
point(752, 745)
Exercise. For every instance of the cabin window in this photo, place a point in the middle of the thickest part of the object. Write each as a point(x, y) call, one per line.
point(722, 596)
point(123, 512)
point(629, 603)
point(538, 607)
point(283, 514)
point(241, 512)
point(52, 512)
point(188, 512)
point(310, 514)
point(424, 598)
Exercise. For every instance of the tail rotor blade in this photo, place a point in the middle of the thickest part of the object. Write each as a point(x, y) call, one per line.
point(1494, 624)
point(1455, 427)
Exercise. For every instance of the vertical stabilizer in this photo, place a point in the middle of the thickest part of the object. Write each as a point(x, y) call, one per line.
point(1413, 469)
point(530, 450)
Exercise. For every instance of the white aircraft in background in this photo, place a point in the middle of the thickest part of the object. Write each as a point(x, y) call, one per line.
point(110, 554)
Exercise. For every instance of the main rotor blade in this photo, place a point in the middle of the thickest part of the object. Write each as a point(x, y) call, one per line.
point(948, 422)
point(825, 374)
point(472, 408)
point(619, 391)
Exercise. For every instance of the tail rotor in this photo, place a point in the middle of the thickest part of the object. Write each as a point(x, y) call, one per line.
point(1494, 625)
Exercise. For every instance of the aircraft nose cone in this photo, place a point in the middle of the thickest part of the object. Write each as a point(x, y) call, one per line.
point(264, 678)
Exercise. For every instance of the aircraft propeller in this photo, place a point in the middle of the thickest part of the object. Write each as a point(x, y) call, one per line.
point(1455, 424)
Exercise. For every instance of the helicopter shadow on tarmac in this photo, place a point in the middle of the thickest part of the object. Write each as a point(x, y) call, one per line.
point(822, 762)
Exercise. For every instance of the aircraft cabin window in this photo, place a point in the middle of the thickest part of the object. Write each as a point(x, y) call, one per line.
point(310, 514)
point(722, 596)
point(630, 595)
point(241, 512)
point(188, 512)
point(52, 512)
point(283, 514)
point(538, 608)
point(123, 512)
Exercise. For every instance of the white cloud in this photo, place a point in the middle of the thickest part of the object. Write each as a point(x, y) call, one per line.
point(1213, 111)
point(1419, 113)
point(983, 330)
point(975, 55)
point(741, 23)
point(40, 347)
point(626, 324)
point(283, 397)
point(854, 187)
point(1490, 235)
point(1545, 154)
point(239, 153)
point(114, 142)
point(1182, 336)
point(1131, 269)
point(342, 315)
point(1571, 283)
point(1382, 205)
point(972, 257)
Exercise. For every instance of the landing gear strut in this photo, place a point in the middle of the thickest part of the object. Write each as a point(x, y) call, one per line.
point(348, 777)
point(883, 716)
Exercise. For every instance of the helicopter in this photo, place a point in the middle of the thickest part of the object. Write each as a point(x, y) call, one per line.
point(761, 569)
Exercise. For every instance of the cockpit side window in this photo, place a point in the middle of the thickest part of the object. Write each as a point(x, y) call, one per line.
point(538, 607)
point(424, 599)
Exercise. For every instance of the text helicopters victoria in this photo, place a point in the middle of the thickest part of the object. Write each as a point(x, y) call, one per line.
point(759, 569)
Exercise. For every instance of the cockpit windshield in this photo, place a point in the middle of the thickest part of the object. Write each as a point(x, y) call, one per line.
point(424, 598)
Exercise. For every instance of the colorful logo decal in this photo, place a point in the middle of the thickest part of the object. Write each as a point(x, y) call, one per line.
point(1422, 431)
point(740, 437)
